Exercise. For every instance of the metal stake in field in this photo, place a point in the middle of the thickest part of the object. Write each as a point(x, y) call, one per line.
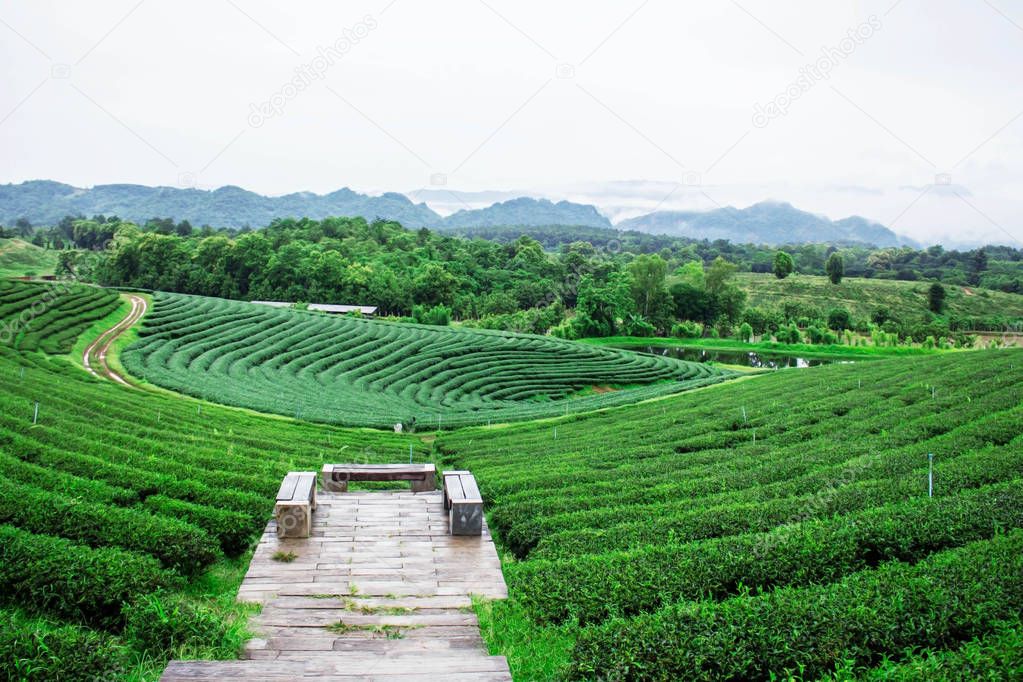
point(35, 417)
point(930, 474)
point(743, 414)
point(410, 453)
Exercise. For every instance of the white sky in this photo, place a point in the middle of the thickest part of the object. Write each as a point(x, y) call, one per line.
point(160, 93)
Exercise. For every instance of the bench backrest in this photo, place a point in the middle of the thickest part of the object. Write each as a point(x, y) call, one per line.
point(297, 486)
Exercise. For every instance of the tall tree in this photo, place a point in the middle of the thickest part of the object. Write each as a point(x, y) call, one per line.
point(648, 272)
point(835, 268)
point(936, 298)
point(783, 265)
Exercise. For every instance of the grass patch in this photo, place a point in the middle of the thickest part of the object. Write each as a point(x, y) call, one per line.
point(533, 652)
point(284, 557)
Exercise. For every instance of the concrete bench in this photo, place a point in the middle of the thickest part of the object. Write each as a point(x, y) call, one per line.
point(463, 502)
point(337, 476)
point(296, 502)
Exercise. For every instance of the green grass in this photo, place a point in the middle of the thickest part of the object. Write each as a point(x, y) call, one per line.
point(19, 258)
point(370, 373)
point(906, 300)
point(697, 508)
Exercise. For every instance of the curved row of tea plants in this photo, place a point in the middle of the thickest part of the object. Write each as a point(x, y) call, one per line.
point(49, 317)
point(371, 373)
point(125, 517)
point(771, 526)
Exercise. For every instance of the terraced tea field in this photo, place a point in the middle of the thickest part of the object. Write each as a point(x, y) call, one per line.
point(49, 317)
point(775, 526)
point(369, 373)
point(126, 517)
point(860, 296)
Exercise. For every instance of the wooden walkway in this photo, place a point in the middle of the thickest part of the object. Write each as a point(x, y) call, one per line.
point(380, 591)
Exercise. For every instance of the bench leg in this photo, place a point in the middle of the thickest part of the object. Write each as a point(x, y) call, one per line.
point(293, 520)
point(465, 518)
point(428, 484)
point(334, 486)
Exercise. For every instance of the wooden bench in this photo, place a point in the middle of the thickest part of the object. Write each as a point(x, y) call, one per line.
point(463, 502)
point(337, 476)
point(296, 502)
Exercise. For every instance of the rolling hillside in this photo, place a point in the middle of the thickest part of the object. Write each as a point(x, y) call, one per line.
point(19, 259)
point(906, 300)
point(689, 538)
point(368, 373)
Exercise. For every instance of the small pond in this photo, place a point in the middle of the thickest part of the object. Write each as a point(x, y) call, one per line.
point(741, 358)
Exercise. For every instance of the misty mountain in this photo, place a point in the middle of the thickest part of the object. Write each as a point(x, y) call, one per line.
point(767, 222)
point(45, 202)
point(527, 211)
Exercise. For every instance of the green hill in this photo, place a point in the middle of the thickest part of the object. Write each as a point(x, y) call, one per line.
point(19, 259)
point(371, 373)
point(905, 300)
point(690, 537)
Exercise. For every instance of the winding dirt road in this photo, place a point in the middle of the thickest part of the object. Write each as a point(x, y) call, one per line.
point(95, 355)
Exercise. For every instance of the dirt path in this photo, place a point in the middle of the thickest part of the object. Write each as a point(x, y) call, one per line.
point(95, 356)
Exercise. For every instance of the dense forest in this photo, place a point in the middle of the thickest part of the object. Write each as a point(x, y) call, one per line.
point(572, 282)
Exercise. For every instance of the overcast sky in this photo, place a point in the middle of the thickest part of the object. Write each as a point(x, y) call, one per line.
point(915, 121)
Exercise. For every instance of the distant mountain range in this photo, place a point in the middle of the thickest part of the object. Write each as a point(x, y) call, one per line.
point(45, 202)
point(767, 222)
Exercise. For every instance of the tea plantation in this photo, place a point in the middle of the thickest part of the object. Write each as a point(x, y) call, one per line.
point(774, 528)
point(126, 517)
point(771, 527)
point(49, 317)
point(370, 373)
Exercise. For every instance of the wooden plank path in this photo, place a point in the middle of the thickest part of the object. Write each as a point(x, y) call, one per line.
point(379, 591)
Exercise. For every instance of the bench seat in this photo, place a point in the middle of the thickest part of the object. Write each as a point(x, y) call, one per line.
point(296, 502)
point(422, 476)
point(463, 502)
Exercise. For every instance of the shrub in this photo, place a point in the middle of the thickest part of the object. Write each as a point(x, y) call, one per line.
point(74, 582)
point(687, 330)
point(839, 319)
point(178, 545)
point(593, 588)
point(745, 332)
point(37, 649)
point(944, 600)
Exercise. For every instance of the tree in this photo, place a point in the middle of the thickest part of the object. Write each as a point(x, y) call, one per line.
point(783, 265)
point(835, 268)
point(936, 298)
point(839, 319)
point(648, 274)
point(602, 308)
point(719, 275)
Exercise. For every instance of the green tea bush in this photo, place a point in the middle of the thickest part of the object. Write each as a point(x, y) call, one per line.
point(592, 589)
point(35, 649)
point(942, 601)
point(77, 583)
point(179, 546)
